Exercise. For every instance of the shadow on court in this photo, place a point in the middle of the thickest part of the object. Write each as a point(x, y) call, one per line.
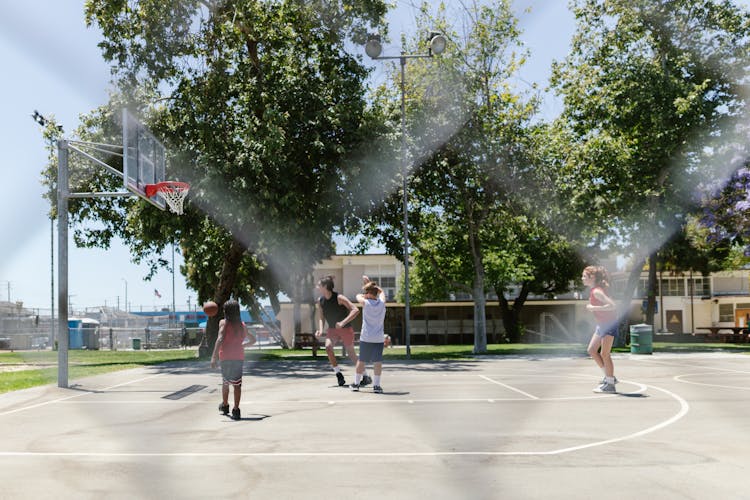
point(255, 417)
point(632, 395)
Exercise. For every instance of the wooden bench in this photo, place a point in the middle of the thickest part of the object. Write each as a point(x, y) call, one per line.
point(302, 340)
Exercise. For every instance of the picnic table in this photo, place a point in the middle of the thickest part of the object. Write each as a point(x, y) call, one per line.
point(731, 333)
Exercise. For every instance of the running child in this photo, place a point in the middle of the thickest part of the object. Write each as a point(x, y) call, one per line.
point(230, 349)
point(338, 311)
point(605, 313)
point(372, 337)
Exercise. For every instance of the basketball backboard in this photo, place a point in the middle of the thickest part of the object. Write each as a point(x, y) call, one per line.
point(143, 159)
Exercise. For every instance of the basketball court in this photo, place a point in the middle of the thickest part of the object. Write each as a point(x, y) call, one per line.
point(491, 428)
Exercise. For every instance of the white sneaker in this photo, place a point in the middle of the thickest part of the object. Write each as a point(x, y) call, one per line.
point(606, 388)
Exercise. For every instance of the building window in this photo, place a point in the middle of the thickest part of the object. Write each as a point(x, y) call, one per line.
point(642, 287)
point(388, 284)
point(673, 287)
point(702, 287)
point(726, 313)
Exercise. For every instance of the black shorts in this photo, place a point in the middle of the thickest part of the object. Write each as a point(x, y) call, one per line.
point(371, 352)
point(231, 371)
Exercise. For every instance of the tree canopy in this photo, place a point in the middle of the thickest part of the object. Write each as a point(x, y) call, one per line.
point(472, 146)
point(652, 104)
point(263, 110)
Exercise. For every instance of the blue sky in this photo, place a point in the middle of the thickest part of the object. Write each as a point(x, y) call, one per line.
point(51, 63)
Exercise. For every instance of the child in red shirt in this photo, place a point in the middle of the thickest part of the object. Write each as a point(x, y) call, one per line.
point(230, 348)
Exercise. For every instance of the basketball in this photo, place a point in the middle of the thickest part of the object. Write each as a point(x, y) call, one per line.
point(210, 308)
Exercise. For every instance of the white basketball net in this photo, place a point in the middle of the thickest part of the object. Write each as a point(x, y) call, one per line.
point(174, 194)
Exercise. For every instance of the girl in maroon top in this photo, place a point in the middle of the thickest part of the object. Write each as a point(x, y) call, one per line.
point(605, 313)
point(230, 348)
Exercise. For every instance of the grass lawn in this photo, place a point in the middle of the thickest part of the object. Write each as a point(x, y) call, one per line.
point(41, 366)
point(435, 353)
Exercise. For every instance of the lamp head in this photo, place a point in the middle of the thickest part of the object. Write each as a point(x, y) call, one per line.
point(39, 118)
point(437, 43)
point(373, 47)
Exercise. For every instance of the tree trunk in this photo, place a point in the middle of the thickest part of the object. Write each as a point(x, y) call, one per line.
point(227, 283)
point(623, 312)
point(297, 307)
point(651, 294)
point(511, 314)
point(275, 304)
point(480, 320)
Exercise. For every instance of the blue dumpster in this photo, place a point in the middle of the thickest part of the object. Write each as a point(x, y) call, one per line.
point(641, 339)
point(75, 334)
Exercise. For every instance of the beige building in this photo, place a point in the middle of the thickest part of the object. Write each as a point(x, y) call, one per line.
point(685, 304)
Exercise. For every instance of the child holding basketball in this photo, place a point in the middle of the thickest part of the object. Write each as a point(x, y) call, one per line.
point(605, 313)
point(372, 337)
point(338, 311)
point(230, 349)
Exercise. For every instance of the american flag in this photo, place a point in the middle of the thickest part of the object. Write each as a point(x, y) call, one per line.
point(156, 292)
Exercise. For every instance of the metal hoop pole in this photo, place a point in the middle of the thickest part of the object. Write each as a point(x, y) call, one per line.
point(63, 334)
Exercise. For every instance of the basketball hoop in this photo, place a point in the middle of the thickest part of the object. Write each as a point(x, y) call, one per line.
point(172, 192)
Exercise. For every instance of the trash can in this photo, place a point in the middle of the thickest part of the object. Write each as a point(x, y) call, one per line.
point(641, 339)
point(136, 344)
point(75, 334)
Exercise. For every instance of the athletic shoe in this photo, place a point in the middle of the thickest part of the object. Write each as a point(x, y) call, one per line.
point(235, 413)
point(340, 377)
point(224, 408)
point(606, 388)
point(355, 387)
point(366, 380)
point(377, 389)
point(604, 380)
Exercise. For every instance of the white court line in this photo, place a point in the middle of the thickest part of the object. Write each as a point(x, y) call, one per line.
point(353, 401)
point(139, 402)
point(714, 371)
point(678, 378)
point(519, 391)
point(682, 365)
point(83, 393)
point(684, 408)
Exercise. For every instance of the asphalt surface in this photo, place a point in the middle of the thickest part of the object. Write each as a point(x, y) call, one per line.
point(525, 427)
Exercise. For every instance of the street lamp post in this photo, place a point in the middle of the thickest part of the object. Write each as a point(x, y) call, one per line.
point(373, 48)
point(174, 310)
point(126, 294)
point(43, 121)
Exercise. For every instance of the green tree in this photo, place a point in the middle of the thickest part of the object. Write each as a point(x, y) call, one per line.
point(651, 97)
point(262, 108)
point(472, 142)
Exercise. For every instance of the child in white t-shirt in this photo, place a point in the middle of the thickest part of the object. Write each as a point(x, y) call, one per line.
point(372, 336)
